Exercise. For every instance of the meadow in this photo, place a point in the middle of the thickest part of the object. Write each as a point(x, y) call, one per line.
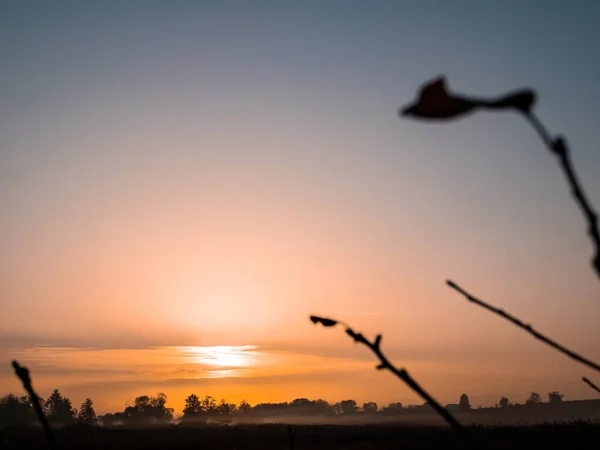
point(576, 435)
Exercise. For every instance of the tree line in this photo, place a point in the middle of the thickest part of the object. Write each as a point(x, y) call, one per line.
point(146, 410)
point(16, 411)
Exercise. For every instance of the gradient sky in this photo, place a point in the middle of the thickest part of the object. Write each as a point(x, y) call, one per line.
point(176, 176)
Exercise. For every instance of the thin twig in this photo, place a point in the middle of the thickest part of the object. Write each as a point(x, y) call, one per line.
point(592, 385)
point(23, 374)
point(528, 328)
point(559, 147)
point(403, 374)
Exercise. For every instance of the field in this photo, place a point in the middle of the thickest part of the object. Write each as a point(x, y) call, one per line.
point(274, 436)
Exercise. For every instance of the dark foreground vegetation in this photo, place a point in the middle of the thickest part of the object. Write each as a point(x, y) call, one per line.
point(578, 435)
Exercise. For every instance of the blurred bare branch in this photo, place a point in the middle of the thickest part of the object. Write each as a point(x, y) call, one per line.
point(571, 354)
point(436, 103)
point(403, 374)
point(23, 374)
point(590, 384)
point(559, 147)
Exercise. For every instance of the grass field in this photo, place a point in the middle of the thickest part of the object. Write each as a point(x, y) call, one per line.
point(274, 436)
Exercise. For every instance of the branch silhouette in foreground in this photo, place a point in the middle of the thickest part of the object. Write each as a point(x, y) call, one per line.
point(23, 374)
point(436, 103)
point(590, 384)
point(528, 328)
point(375, 347)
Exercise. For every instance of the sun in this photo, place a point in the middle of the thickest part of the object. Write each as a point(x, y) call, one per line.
point(223, 356)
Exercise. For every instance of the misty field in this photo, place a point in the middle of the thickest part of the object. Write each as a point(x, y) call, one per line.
point(274, 436)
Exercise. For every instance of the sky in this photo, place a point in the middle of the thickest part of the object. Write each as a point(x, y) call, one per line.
point(183, 183)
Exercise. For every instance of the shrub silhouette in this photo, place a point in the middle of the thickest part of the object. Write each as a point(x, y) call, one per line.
point(555, 397)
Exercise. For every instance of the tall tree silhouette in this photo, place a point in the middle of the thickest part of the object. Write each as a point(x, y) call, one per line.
point(464, 404)
point(87, 414)
point(209, 406)
point(192, 408)
point(59, 408)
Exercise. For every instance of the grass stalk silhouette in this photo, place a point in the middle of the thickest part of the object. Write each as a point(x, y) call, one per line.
point(571, 354)
point(403, 374)
point(23, 374)
point(590, 384)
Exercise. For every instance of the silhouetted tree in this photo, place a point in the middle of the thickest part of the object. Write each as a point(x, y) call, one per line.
point(370, 407)
point(300, 406)
point(244, 406)
point(159, 401)
point(464, 404)
point(226, 409)
point(59, 408)
point(209, 406)
point(534, 398)
point(148, 410)
point(349, 407)
point(269, 409)
point(321, 407)
point(192, 407)
point(87, 414)
point(159, 411)
point(306, 407)
point(141, 403)
point(555, 397)
point(393, 409)
point(131, 414)
point(336, 408)
point(503, 403)
point(16, 411)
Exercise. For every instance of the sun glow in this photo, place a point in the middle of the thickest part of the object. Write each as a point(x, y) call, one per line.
point(223, 360)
